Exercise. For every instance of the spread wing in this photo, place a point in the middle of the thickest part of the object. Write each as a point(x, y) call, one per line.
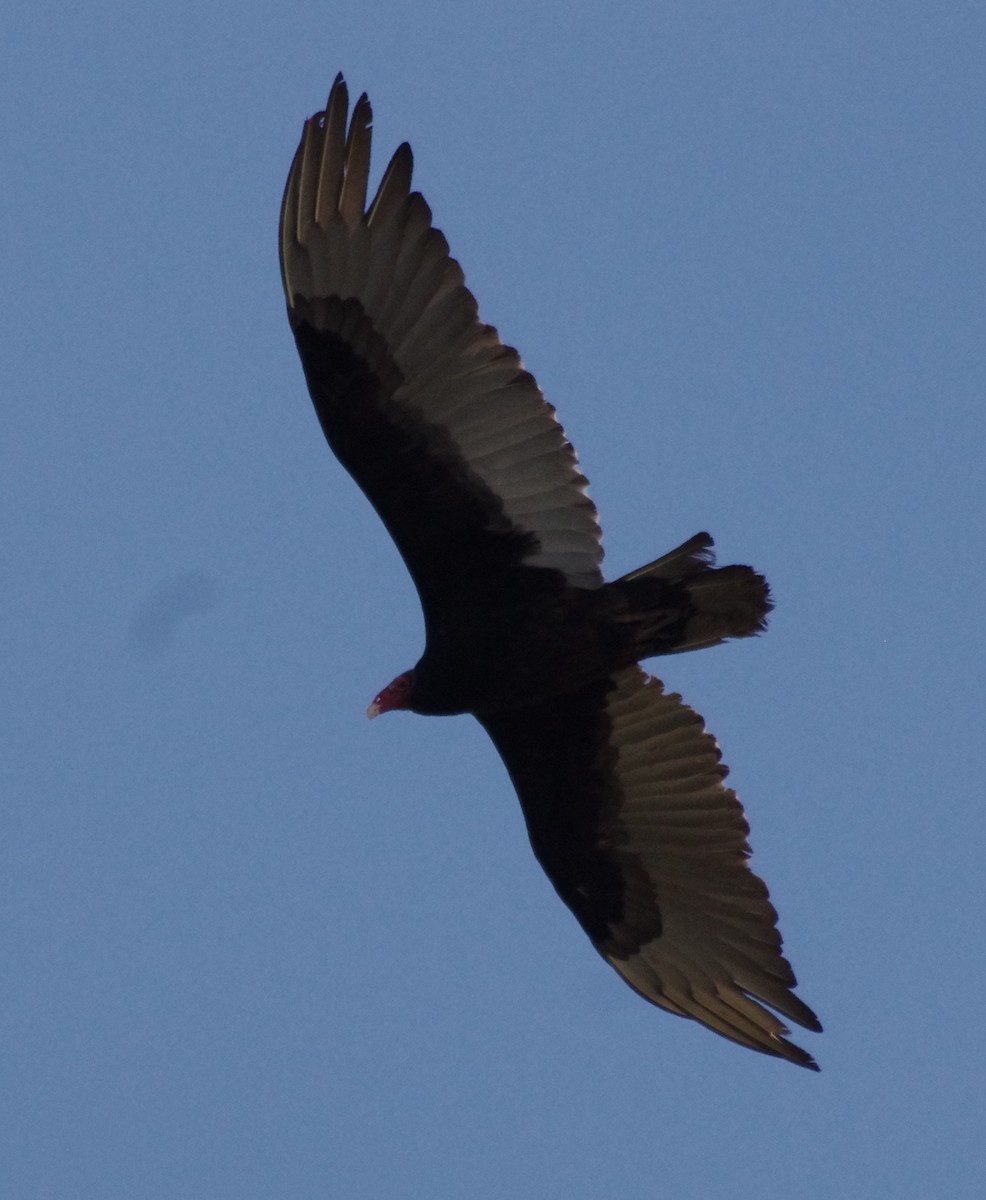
point(622, 790)
point(437, 421)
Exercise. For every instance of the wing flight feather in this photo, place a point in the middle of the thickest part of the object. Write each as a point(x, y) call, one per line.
point(648, 847)
point(448, 375)
point(718, 955)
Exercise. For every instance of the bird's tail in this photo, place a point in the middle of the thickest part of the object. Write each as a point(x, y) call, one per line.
point(682, 601)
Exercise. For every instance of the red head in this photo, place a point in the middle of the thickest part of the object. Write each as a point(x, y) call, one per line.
point(395, 695)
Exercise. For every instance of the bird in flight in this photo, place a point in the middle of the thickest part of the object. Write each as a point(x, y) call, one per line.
point(451, 440)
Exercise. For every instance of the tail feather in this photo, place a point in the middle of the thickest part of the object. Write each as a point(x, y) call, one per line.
point(727, 602)
point(681, 601)
point(690, 556)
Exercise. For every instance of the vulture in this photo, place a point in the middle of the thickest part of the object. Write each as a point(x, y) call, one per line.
point(622, 787)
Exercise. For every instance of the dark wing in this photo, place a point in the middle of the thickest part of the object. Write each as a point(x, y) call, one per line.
point(437, 421)
point(622, 790)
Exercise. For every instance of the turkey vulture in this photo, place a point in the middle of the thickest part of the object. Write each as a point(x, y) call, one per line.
point(455, 447)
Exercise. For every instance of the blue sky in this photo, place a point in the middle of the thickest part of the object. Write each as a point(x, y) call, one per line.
point(252, 945)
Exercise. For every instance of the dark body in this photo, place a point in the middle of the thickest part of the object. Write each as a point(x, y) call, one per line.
point(454, 445)
point(499, 633)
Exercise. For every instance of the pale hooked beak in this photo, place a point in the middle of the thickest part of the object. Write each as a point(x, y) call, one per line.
point(373, 710)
